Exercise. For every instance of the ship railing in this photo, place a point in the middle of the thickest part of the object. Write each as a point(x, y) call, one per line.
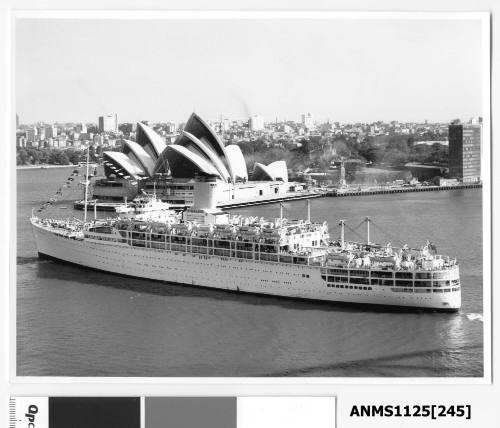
point(61, 227)
point(261, 252)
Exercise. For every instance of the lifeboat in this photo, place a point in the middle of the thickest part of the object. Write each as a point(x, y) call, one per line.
point(407, 264)
point(183, 229)
point(158, 228)
point(381, 258)
point(340, 256)
point(205, 230)
point(141, 227)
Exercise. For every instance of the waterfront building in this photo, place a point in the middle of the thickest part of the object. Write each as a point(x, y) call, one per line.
point(465, 152)
point(108, 123)
point(256, 123)
point(198, 155)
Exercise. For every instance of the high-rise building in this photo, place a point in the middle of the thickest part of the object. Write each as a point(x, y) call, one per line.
point(465, 152)
point(41, 132)
point(256, 123)
point(21, 141)
point(108, 123)
point(31, 134)
point(98, 140)
point(307, 121)
point(50, 131)
point(81, 127)
point(170, 128)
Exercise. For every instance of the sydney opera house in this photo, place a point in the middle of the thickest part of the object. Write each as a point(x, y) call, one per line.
point(197, 162)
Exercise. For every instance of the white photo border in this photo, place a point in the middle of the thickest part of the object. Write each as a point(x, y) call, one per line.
point(486, 163)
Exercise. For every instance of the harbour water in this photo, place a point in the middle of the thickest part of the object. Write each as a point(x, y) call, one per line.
point(77, 322)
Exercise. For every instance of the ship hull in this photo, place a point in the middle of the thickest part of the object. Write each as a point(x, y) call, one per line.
point(226, 273)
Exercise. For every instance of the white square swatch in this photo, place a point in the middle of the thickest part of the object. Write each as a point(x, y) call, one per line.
point(286, 412)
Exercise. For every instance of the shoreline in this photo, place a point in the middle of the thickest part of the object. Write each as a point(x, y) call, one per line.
point(44, 166)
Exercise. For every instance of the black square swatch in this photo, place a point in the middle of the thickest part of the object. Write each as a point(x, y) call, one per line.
point(94, 412)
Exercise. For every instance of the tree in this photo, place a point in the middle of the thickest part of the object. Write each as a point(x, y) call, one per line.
point(22, 157)
point(58, 157)
point(370, 151)
point(325, 161)
point(305, 146)
point(395, 157)
point(398, 142)
point(341, 148)
point(351, 169)
point(74, 156)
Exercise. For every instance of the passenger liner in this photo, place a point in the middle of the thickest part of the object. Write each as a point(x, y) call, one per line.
point(281, 257)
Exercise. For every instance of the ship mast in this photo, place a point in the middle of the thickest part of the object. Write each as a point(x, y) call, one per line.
point(368, 220)
point(342, 234)
point(86, 186)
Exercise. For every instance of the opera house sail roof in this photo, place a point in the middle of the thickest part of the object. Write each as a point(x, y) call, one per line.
point(138, 154)
point(194, 145)
point(138, 158)
point(118, 163)
point(187, 164)
point(153, 144)
point(237, 161)
point(201, 130)
point(202, 147)
point(198, 150)
point(274, 171)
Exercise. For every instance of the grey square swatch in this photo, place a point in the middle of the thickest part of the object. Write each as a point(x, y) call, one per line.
point(190, 412)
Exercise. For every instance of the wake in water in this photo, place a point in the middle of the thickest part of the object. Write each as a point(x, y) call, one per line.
point(475, 317)
point(407, 364)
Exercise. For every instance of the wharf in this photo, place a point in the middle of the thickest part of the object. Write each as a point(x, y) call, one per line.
point(268, 199)
point(398, 189)
point(234, 203)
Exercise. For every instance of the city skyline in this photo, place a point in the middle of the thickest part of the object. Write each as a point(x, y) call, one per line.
point(352, 71)
point(472, 119)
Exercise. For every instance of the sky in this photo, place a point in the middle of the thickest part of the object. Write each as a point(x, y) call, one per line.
point(70, 70)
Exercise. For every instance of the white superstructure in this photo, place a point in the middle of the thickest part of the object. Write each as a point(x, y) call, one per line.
point(147, 207)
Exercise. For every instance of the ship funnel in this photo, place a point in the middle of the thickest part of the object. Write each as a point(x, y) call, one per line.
point(207, 192)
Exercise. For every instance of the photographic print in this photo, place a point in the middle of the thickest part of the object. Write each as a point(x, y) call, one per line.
point(251, 195)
